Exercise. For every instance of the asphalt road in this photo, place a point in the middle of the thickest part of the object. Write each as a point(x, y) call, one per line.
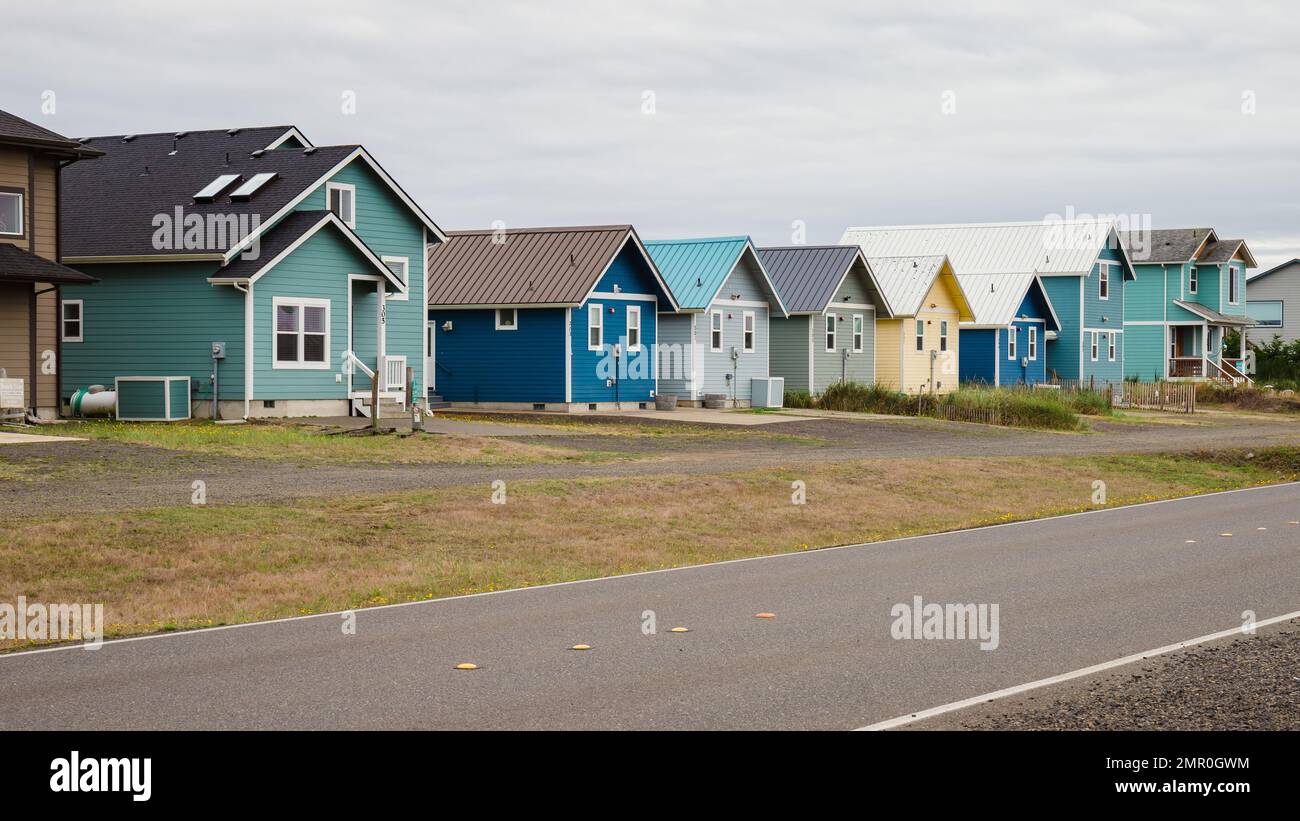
point(1071, 591)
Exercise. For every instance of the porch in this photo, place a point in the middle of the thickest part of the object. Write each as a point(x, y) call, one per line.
point(1196, 353)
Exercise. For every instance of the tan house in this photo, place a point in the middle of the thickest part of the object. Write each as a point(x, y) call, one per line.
point(30, 272)
point(918, 348)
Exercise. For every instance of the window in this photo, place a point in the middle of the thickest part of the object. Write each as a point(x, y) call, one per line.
point(212, 189)
point(595, 327)
point(634, 327)
point(342, 200)
point(72, 320)
point(1094, 346)
point(1268, 313)
point(830, 332)
point(1011, 342)
point(715, 331)
point(943, 335)
point(920, 334)
point(1191, 280)
point(747, 335)
point(401, 267)
point(858, 329)
point(248, 189)
point(1173, 343)
point(1033, 343)
point(302, 333)
point(1103, 281)
point(1233, 296)
point(1110, 347)
point(507, 319)
point(11, 212)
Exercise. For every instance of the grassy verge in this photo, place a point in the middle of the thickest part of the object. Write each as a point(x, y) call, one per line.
point(299, 444)
point(1015, 407)
point(185, 567)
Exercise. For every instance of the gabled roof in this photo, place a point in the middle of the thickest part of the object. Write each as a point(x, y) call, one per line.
point(807, 277)
point(906, 280)
point(17, 265)
point(1045, 247)
point(287, 235)
point(1284, 266)
point(1167, 245)
point(995, 298)
point(15, 131)
point(1225, 250)
point(696, 269)
point(109, 210)
point(528, 267)
point(1213, 316)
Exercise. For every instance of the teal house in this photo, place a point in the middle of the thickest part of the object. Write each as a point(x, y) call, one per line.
point(1081, 263)
point(717, 342)
point(245, 270)
point(1190, 294)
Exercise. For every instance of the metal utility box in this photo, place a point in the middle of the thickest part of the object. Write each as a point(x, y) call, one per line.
point(152, 398)
point(767, 392)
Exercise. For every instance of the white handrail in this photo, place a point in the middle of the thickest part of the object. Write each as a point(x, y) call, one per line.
point(349, 358)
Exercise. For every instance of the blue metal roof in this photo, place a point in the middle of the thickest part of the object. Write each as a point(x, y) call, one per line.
point(696, 268)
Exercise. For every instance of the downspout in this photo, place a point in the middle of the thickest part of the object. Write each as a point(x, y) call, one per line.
point(248, 348)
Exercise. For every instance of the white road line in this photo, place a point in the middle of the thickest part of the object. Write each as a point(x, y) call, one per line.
point(1047, 682)
point(597, 579)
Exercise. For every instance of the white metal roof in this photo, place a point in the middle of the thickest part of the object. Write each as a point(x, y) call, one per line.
point(905, 280)
point(1046, 248)
point(994, 298)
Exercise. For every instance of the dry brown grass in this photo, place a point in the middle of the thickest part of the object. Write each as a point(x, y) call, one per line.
point(196, 566)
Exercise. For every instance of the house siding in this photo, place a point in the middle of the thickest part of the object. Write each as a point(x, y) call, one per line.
point(745, 282)
point(675, 354)
point(479, 364)
point(830, 367)
point(156, 320)
point(1283, 286)
point(916, 365)
point(789, 351)
point(979, 354)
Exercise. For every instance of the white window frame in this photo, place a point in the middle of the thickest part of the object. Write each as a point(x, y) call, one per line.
point(1111, 345)
point(80, 320)
point(859, 332)
point(830, 335)
point(599, 311)
point(1032, 343)
point(1234, 295)
point(1191, 279)
point(1103, 281)
point(1094, 344)
point(920, 336)
point(299, 364)
point(22, 214)
point(716, 315)
point(404, 293)
point(1281, 312)
point(513, 327)
point(633, 311)
point(748, 332)
point(1012, 339)
point(943, 335)
point(330, 187)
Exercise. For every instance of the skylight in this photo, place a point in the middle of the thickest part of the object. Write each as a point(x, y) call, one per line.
point(216, 187)
point(248, 189)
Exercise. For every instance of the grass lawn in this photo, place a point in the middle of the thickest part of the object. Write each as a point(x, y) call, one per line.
point(185, 567)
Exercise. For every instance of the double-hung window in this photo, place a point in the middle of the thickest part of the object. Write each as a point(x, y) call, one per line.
point(341, 198)
point(715, 331)
point(1233, 295)
point(1033, 343)
point(1011, 342)
point(302, 333)
point(1191, 280)
point(1103, 281)
point(1110, 346)
point(747, 332)
point(1094, 346)
point(830, 332)
point(11, 212)
point(72, 320)
point(920, 334)
point(858, 332)
point(595, 327)
point(634, 327)
point(943, 335)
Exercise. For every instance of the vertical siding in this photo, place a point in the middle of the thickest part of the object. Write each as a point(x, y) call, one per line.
point(158, 319)
point(789, 345)
point(478, 363)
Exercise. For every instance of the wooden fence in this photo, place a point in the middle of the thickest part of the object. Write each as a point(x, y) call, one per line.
point(1174, 397)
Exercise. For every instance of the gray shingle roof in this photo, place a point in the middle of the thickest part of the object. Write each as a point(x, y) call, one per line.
point(1221, 251)
point(1214, 316)
point(1174, 245)
point(806, 276)
point(17, 131)
point(523, 266)
point(109, 206)
point(17, 265)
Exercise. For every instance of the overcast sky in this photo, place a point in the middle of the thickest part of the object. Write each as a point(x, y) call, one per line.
point(833, 114)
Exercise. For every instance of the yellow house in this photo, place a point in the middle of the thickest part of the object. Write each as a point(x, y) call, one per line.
point(917, 349)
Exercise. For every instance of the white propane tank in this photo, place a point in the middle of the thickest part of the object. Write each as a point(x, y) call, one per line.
point(93, 401)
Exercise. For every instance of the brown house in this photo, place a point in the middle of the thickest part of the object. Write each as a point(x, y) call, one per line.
point(30, 272)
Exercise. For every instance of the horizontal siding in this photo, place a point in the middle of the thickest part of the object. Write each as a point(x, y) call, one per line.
point(979, 349)
point(15, 339)
point(888, 339)
point(1144, 354)
point(789, 351)
point(478, 363)
point(830, 367)
point(675, 355)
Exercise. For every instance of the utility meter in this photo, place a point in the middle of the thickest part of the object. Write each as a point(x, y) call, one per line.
point(218, 350)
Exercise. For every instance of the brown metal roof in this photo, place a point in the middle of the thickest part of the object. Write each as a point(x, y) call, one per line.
point(522, 266)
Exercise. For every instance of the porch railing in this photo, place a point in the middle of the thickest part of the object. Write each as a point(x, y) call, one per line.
point(1185, 366)
point(395, 373)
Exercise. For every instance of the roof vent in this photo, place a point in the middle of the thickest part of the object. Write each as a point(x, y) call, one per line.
point(128, 138)
point(174, 150)
point(232, 132)
point(83, 140)
point(699, 283)
point(146, 171)
point(307, 152)
point(182, 134)
point(572, 262)
point(259, 152)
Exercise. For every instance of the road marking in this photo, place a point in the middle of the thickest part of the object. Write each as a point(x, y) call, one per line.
point(466, 666)
point(520, 590)
point(582, 647)
point(764, 615)
point(680, 630)
point(1063, 677)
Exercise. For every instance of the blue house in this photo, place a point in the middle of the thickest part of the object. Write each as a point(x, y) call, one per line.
point(1007, 342)
point(719, 342)
point(1081, 262)
point(559, 319)
point(246, 270)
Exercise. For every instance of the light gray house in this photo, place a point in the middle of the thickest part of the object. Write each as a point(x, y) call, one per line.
point(833, 300)
point(718, 341)
point(1273, 301)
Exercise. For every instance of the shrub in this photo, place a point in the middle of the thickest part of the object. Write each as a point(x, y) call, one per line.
point(798, 399)
point(1090, 403)
point(858, 398)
